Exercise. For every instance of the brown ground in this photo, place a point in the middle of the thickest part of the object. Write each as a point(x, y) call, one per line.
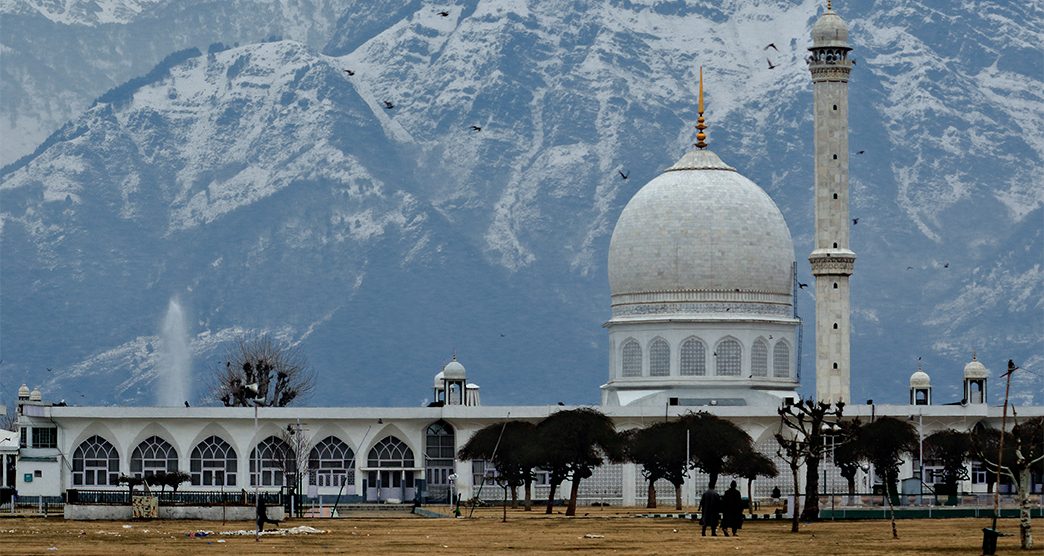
point(524, 533)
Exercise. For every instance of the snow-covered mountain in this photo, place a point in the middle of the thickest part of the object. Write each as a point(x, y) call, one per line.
point(269, 189)
point(59, 55)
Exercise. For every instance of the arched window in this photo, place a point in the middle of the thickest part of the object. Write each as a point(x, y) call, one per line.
point(332, 463)
point(632, 358)
point(659, 358)
point(781, 360)
point(440, 448)
point(728, 358)
point(390, 452)
point(759, 358)
point(693, 357)
point(213, 463)
point(96, 463)
point(277, 459)
point(152, 456)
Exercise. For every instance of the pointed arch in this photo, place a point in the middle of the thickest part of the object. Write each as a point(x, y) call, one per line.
point(213, 463)
point(96, 463)
point(759, 357)
point(390, 452)
point(693, 357)
point(153, 455)
point(275, 458)
point(331, 463)
point(781, 359)
point(659, 357)
point(728, 357)
point(631, 358)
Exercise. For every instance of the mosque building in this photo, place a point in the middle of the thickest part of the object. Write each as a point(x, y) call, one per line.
point(702, 282)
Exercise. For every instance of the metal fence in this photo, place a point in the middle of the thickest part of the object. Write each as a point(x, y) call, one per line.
point(186, 498)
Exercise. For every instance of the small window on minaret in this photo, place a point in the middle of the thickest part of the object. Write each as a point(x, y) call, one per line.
point(835, 285)
point(835, 195)
point(835, 245)
point(835, 107)
point(835, 326)
point(835, 365)
point(835, 157)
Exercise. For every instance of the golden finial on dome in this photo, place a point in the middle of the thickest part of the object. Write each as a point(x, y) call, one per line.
point(829, 6)
point(700, 125)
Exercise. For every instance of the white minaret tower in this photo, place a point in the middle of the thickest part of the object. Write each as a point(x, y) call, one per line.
point(832, 260)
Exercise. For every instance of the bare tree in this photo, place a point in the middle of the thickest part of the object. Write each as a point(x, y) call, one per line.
point(1023, 452)
point(279, 370)
point(810, 424)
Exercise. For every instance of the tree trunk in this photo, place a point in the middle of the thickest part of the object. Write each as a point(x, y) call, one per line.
point(750, 496)
point(573, 493)
point(551, 497)
point(529, 494)
point(677, 496)
point(797, 496)
point(1025, 506)
point(712, 479)
point(514, 497)
point(650, 499)
point(811, 511)
point(889, 487)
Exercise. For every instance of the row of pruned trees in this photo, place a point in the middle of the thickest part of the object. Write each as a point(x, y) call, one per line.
point(809, 430)
point(568, 445)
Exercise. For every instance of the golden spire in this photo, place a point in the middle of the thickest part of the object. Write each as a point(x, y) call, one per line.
point(700, 125)
point(829, 6)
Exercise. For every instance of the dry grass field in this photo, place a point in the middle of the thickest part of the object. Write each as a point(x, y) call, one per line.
point(611, 532)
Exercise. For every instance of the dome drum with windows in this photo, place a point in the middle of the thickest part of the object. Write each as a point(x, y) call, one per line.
point(701, 269)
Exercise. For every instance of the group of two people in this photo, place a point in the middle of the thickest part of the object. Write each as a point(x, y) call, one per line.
point(725, 509)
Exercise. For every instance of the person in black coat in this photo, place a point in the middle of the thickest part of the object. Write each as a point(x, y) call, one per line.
point(731, 510)
point(262, 518)
point(710, 513)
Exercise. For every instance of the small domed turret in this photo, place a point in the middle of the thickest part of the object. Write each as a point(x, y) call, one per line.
point(975, 376)
point(35, 395)
point(975, 369)
point(920, 379)
point(23, 392)
point(454, 370)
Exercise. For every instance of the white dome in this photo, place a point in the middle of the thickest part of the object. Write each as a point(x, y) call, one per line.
point(830, 31)
point(701, 233)
point(920, 379)
point(439, 381)
point(453, 370)
point(35, 395)
point(974, 369)
point(23, 392)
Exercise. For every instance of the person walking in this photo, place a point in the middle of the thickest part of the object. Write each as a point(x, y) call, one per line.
point(710, 513)
point(262, 518)
point(731, 510)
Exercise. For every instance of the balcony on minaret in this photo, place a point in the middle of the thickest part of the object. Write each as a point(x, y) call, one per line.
point(832, 260)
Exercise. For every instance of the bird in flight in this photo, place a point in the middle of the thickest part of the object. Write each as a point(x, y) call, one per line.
point(855, 221)
point(186, 403)
point(947, 265)
point(623, 175)
point(349, 72)
point(802, 286)
point(50, 370)
point(771, 65)
point(476, 128)
point(860, 152)
point(909, 268)
point(771, 45)
point(444, 13)
point(388, 105)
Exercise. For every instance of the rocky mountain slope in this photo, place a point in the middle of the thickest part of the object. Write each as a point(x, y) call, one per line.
point(269, 189)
